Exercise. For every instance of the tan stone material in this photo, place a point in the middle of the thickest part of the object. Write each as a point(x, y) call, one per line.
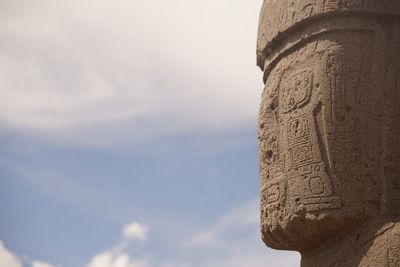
point(329, 130)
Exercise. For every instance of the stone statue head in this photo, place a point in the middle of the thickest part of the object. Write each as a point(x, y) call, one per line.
point(327, 122)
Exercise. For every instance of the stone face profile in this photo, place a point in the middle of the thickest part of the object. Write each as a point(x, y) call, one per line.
point(329, 130)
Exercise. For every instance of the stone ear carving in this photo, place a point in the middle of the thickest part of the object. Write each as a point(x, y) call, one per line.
point(329, 128)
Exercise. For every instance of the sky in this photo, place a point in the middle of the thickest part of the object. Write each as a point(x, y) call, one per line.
point(128, 134)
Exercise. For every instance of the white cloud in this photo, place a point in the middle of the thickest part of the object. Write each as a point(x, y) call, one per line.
point(7, 258)
point(136, 231)
point(227, 226)
point(92, 69)
point(114, 259)
point(232, 241)
point(42, 264)
point(118, 256)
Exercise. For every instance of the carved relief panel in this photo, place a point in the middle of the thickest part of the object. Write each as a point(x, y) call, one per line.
point(313, 129)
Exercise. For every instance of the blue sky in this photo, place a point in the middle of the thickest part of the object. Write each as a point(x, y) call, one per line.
point(128, 134)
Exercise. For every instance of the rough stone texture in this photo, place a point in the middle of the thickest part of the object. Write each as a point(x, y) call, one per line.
point(329, 130)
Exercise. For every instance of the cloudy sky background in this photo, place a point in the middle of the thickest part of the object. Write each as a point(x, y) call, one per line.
point(128, 134)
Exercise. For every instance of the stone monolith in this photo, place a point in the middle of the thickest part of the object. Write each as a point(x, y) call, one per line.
point(329, 130)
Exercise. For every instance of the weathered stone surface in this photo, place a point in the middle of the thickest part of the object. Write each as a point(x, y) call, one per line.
point(329, 130)
point(279, 17)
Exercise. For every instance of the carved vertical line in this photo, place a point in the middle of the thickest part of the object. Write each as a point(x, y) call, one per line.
point(323, 147)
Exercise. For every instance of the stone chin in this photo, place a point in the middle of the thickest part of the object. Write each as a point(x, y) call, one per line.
point(303, 230)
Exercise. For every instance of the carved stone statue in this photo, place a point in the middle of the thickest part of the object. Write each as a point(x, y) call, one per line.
point(329, 130)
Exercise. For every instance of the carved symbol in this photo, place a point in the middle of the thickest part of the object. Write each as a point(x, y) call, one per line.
point(274, 191)
point(336, 72)
point(322, 203)
point(296, 91)
point(344, 74)
point(298, 130)
point(280, 163)
point(273, 194)
point(309, 186)
point(317, 186)
point(300, 154)
point(306, 169)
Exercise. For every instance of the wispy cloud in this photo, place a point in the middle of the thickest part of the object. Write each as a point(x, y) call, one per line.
point(119, 256)
point(42, 264)
point(59, 186)
point(127, 70)
point(135, 231)
point(227, 227)
point(9, 259)
point(232, 241)
point(115, 259)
